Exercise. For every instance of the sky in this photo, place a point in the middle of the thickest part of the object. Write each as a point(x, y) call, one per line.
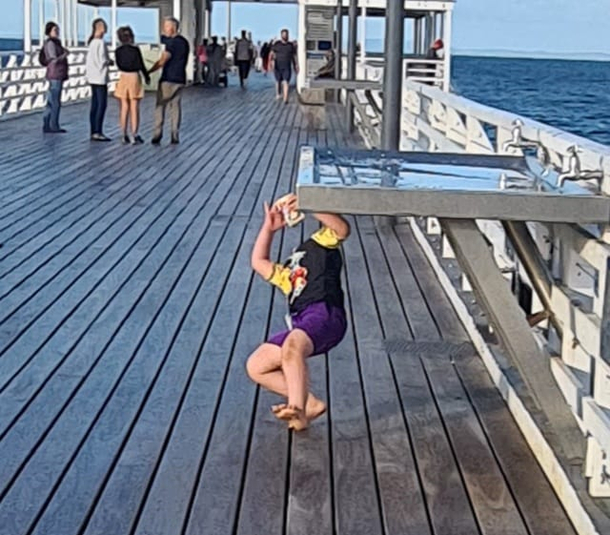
point(559, 27)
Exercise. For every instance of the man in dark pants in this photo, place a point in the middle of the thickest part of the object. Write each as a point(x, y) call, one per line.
point(244, 53)
point(283, 59)
point(173, 79)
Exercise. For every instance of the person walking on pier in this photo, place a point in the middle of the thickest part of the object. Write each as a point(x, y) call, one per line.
point(98, 62)
point(54, 57)
point(129, 89)
point(244, 55)
point(283, 59)
point(173, 79)
point(311, 281)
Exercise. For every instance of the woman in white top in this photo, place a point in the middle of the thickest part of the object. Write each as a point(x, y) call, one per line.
point(98, 62)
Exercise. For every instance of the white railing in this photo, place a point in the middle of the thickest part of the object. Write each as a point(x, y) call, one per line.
point(578, 257)
point(23, 85)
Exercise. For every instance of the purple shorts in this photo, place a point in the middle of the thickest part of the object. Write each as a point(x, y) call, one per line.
point(324, 325)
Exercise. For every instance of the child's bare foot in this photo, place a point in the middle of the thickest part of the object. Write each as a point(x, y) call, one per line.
point(296, 418)
point(315, 407)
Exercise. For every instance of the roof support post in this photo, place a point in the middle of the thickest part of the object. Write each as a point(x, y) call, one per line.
point(229, 6)
point(392, 76)
point(27, 25)
point(351, 58)
point(113, 23)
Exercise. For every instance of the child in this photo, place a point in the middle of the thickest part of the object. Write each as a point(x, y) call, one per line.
point(311, 280)
point(129, 89)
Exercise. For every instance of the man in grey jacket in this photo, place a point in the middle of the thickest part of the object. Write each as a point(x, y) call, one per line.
point(55, 58)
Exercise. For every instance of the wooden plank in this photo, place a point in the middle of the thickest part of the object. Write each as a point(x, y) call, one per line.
point(65, 343)
point(227, 185)
point(493, 504)
point(438, 303)
point(310, 502)
point(264, 494)
point(402, 501)
point(30, 344)
point(215, 404)
point(537, 502)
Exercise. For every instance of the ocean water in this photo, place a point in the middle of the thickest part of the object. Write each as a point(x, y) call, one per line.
point(571, 95)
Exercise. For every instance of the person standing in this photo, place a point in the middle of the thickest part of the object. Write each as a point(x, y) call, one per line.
point(283, 59)
point(214, 60)
point(202, 61)
point(265, 51)
point(129, 89)
point(54, 57)
point(98, 62)
point(244, 55)
point(173, 79)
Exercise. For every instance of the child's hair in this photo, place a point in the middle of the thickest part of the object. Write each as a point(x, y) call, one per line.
point(125, 35)
point(94, 28)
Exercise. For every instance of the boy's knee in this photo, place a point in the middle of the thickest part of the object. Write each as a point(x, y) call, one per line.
point(251, 368)
point(292, 349)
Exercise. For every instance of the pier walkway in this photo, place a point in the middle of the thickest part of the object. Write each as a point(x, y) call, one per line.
point(128, 309)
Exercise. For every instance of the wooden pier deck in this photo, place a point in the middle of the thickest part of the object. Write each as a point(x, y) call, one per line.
point(128, 308)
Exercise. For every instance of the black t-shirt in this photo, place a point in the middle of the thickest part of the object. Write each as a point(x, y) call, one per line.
point(174, 70)
point(312, 274)
point(129, 59)
point(284, 54)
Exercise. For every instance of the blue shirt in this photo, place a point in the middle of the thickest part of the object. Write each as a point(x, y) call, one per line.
point(174, 70)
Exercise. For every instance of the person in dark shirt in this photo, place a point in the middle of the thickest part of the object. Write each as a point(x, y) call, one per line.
point(283, 59)
point(173, 79)
point(129, 89)
point(311, 282)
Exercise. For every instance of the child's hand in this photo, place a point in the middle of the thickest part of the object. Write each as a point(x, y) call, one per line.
point(274, 219)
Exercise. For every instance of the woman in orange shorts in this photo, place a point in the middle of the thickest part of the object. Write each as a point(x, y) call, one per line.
point(129, 89)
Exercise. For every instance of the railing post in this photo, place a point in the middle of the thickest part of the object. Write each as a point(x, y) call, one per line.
point(351, 59)
point(392, 82)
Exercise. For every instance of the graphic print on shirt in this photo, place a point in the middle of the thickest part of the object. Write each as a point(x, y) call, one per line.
point(298, 274)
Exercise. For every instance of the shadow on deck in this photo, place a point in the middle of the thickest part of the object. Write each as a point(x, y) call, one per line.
point(128, 308)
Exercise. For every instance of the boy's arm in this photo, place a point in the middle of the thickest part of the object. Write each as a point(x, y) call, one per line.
point(260, 254)
point(335, 223)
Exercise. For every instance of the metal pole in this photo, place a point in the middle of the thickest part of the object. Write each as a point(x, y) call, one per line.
point(228, 22)
point(113, 23)
point(447, 46)
point(27, 25)
point(534, 265)
point(41, 22)
point(63, 19)
point(363, 34)
point(339, 44)
point(177, 10)
point(351, 58)
point(392, 76)
point(416, 37)
point(75, 21)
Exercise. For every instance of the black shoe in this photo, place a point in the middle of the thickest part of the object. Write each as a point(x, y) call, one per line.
point(175, 140)
point(126, 140)
point(156, 140)
point(137, 140)
point(100, 137)
point(59, 131)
